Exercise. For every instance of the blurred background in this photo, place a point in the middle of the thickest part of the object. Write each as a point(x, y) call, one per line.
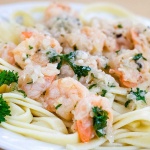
point(140, 7)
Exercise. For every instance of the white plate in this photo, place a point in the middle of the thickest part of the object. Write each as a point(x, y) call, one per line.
point(8, 139)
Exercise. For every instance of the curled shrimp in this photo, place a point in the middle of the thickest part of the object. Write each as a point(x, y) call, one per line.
point(56, 9)
point(34, 48)
point(70, 100)
point(88, 39)
point(34, 79)
point(83, 116)
point(122, 79)
point(129, 71)
point(65, 91)
point(6, 52)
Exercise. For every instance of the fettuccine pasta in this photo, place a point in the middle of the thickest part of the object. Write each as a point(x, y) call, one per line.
point(76, 83)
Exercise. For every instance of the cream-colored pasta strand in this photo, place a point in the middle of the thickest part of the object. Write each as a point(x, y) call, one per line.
point(6, 64)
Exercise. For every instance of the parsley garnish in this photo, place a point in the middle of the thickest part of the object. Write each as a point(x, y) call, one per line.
point(30, 47)
point(58, 106)
point(30, 82)
point(4, 109)
point(99, 120)
point(27, 55)
point(117, 52)
point(119, 26)
point(23, 92)
point(127, 103)
point(103, 92)
point(106, 66)
point(111, 85)
point(69, 59)
point(8, 77)
point(138, 56)
point(140, 94)
point(91, 86)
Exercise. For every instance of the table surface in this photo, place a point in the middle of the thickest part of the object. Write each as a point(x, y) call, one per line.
point(140, 7)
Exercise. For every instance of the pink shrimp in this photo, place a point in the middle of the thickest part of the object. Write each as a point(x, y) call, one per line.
point(88, 39)
point(6, 52)
point(34, 48)
point(70, 100)
point(35, 80)
point(56, 9)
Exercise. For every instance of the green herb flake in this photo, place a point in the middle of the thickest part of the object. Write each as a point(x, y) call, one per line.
point(8, 77)
point(30, 47)
point(58, 106)
point(111, 85)
point(103, 93)
point(106, 66)
point(140, 94)
point(23, 92)
point(30, 82)
point(69, 59)
point(91, 86)
point(127, 103)
point(138, 56)
point(117, 52)
point(119, 26)
point(27, 55)
point(99, 120)
point(4, 109)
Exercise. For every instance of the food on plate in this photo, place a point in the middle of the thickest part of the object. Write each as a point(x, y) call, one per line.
point(77, 83)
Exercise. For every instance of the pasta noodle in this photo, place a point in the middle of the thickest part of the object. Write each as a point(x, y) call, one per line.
point(83, 85)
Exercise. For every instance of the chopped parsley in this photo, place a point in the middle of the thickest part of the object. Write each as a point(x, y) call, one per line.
point(139, 66)
point(117, 52)
point(27, 55)
point(106, 66)
point(8, 77)
point(119, 26)
point(103, 92)
point(23, 92)
point(138, 56)
point(30, 47)
point(69, 59)
point(30, 82)
point(140, 94)
point(127, 103)
point(91, 86)
point(99, 121)
point(111, 85)
point(4, 109)
point(58, 106)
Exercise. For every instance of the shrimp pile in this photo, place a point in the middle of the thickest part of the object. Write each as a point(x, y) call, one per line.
point(72, 68)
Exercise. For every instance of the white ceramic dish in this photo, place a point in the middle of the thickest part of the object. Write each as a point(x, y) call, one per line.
point(8, 139)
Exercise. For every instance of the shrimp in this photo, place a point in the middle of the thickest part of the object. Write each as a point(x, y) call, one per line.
point(6, 52)
point(65, 91)
point(88, 39)
point(140, 41)
point(70, 100)
point(122, 79)
point(34, 48)
point(83, 117)
point(129, 71)
point(34, 79)
point(55, 10)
